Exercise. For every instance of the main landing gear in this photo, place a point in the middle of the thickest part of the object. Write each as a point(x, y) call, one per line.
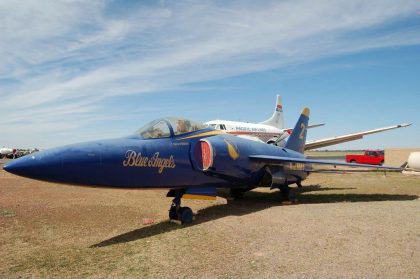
point(176, 212)
point(287, 195)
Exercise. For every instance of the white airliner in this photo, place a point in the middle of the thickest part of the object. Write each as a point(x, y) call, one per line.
point(272, 130)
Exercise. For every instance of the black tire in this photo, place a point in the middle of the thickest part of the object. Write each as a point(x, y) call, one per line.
point(186, 215)
point(382, 163)
point(352, 161)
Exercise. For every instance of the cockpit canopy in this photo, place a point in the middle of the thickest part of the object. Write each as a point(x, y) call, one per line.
point(166, 127)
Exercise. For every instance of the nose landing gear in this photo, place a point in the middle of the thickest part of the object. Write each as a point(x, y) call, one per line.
point(176, 212)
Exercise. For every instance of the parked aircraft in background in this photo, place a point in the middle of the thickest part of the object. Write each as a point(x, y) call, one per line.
point(6, 152)
point(272, 130)
point(13, 153)
point(188, 158)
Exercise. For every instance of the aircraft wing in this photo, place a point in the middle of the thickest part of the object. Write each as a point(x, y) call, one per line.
point(350, 137)
point(277, 160)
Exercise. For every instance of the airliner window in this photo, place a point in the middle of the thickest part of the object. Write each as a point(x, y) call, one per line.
point(155, 130)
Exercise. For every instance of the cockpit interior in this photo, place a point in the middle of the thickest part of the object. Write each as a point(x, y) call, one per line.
point(168, 127)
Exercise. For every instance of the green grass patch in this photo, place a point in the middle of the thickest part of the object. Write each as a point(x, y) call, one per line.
point(7, 213)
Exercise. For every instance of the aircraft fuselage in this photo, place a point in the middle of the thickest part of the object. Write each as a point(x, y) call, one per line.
point(174, 162)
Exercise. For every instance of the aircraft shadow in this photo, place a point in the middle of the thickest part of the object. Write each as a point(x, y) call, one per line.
point(252, 202)
point(232, 208)
point(318, 188)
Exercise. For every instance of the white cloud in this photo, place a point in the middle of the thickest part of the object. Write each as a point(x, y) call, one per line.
point(72, 55)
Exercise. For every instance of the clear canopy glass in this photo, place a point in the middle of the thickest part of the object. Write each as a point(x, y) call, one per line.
point(161, 128)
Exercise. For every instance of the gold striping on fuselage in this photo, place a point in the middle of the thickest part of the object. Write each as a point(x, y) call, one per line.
point(198, 197)
point(205, 134)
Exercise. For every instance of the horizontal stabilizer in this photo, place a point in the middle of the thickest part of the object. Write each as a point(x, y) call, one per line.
point(316, 125)
point(208, 193)
point(276, 160)
point(290, 130)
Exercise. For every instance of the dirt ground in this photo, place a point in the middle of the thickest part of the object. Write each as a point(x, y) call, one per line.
point(345, 225)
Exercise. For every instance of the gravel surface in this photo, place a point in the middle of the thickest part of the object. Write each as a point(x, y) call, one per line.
point(346, 226)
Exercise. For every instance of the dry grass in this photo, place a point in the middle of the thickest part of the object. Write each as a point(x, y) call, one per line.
point(356, 226)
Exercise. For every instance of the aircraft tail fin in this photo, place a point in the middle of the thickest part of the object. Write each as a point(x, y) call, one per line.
point(276, 120)
point(297, 139)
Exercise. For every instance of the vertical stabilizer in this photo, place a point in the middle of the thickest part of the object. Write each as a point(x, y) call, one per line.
point(297, 139)
point(276, 120)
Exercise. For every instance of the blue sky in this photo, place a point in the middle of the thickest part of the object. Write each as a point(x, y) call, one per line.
point(73, 71)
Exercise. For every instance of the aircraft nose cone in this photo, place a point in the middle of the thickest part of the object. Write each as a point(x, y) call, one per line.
point(17, 166)
point(75, 164)
point(7, 168)
point(34, 166)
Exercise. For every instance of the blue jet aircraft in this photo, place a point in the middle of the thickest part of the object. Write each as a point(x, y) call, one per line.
point(188, 158)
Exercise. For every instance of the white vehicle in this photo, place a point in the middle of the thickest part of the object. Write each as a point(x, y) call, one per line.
point(271, 131)
point(414, 161)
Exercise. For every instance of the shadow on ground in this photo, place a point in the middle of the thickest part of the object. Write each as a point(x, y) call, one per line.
point(253, 202)
point(318, 188)
point(232, 208)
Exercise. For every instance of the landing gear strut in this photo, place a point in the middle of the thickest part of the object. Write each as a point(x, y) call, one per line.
point(176, 212)
point(287, 194)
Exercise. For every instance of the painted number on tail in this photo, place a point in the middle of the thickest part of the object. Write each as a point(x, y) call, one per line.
point(303, 127)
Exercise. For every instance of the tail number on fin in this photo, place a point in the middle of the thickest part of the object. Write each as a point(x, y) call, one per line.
point(303, 127)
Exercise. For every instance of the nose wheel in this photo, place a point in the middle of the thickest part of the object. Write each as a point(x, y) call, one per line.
point(176, 212)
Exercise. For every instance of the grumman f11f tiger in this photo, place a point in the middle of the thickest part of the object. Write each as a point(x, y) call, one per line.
point(191, 160)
